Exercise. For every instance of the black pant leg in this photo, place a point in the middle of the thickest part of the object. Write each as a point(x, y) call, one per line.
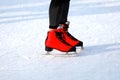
point(58, 12)
point(64, 12)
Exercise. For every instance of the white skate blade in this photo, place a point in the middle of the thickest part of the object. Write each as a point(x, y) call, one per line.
point(61, 55)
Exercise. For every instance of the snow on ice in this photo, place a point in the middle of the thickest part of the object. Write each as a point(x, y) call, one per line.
point(23, 29)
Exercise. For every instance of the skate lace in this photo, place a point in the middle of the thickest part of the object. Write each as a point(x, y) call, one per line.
point(61, 37)
point(71, 36)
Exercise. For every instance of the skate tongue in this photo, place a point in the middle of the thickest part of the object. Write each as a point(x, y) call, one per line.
point(64, 27)
point(67, 22)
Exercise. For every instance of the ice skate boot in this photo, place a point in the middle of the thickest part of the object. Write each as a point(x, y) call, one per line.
point(54, 40)
point(68, 37)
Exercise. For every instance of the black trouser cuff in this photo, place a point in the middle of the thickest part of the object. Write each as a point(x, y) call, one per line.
point(53, 27)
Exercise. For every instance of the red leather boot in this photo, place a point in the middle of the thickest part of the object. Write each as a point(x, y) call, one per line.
point(55, 40)
point(68, 37)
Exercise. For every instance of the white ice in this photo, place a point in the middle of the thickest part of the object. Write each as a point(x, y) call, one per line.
point(23, 29)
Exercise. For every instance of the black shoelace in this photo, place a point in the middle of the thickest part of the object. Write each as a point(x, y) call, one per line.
point(61, 37)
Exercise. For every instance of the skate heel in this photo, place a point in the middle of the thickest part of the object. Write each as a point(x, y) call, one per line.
point(48, 49)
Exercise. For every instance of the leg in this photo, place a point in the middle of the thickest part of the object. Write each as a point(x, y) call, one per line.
point(54, 11)
point(64, 12)
point(58, 12)
point(54, 38)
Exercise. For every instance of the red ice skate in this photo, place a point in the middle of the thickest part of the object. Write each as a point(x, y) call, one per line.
point(54, 40)
point(68, 37)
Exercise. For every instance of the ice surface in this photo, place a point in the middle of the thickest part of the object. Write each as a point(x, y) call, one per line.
point(23, 29)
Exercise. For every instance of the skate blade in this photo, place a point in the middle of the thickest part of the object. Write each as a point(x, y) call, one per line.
point(61, 55)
